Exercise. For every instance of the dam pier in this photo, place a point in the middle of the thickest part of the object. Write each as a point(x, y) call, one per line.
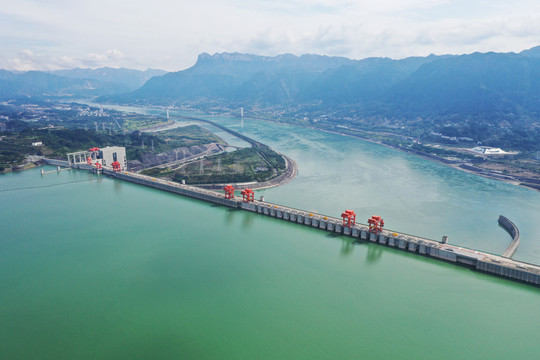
point(346, 225)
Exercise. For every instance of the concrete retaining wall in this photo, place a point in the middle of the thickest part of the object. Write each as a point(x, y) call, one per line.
point(55, 162)
point(512, 229)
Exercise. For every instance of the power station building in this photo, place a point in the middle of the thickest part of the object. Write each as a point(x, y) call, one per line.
point(105, 157)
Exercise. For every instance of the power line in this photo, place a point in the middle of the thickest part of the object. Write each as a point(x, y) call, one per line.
point(45, 186)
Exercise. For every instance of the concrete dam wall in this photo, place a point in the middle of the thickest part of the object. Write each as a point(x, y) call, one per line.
point(481, 261)
point(512, 229)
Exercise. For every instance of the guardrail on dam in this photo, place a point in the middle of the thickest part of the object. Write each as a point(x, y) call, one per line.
point(488, 263)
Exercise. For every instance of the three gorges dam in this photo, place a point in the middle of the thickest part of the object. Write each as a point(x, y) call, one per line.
point(112, 163)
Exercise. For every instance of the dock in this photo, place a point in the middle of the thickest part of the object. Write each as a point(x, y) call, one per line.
point(477, 260)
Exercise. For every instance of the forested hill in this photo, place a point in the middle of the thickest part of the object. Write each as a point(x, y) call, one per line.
point(281, 80)
point(478, 84)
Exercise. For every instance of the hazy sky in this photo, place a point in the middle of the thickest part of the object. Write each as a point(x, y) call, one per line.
point(58, 34)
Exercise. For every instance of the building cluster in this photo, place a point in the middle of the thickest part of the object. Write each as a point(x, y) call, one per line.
point(93, 113)
point(455, 139)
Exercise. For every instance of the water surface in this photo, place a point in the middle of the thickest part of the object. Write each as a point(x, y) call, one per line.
point(94, 268)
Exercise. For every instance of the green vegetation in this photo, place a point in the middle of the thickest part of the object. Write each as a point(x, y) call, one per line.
point(13, 151)
point(58, 142)
point(132, 122)
point(259, 163)
point(77, 116)
point(273, 158)
point(190, 135)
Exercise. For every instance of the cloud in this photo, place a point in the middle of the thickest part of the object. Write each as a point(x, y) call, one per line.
point(170, 35)
point(97, 60)
point(27, 60)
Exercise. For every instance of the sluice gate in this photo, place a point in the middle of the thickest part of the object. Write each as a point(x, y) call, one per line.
point(478, 260)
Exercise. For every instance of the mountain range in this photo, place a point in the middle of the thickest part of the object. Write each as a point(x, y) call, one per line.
point(74, 82)
point(128, 78)
point(478, 84)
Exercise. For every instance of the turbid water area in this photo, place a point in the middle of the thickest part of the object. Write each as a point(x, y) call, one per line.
point(97, 268)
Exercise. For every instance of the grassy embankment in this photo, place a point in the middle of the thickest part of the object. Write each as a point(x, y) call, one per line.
point(259, 164)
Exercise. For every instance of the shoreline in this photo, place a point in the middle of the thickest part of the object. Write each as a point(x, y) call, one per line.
point(290, 173)
point(450, 163)
point(509, 179)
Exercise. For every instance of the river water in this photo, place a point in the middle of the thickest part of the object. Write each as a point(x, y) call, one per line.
point(94, 268)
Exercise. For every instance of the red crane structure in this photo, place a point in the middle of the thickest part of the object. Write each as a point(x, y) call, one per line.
point(349, 218)
point(248, 195)
point(229, 192)
point(376, 224)
point(116, 166)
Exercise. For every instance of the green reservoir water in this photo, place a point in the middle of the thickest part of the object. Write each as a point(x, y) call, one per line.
point(94, 268)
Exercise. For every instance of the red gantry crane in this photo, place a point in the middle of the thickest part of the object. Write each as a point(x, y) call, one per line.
point(89, 158)
point(349, 218)
point(376, 224)
point(116, 166)
point(248, 195)
point(229, 192)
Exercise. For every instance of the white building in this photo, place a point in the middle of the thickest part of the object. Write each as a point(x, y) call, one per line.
point(487, 150)
point(105, 156)
point(111, 154)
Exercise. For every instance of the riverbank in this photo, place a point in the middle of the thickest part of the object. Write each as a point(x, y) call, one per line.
point(291, 169)
point(288, 175)
point(22, 167)
point(527, 182)
point(505, 174)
